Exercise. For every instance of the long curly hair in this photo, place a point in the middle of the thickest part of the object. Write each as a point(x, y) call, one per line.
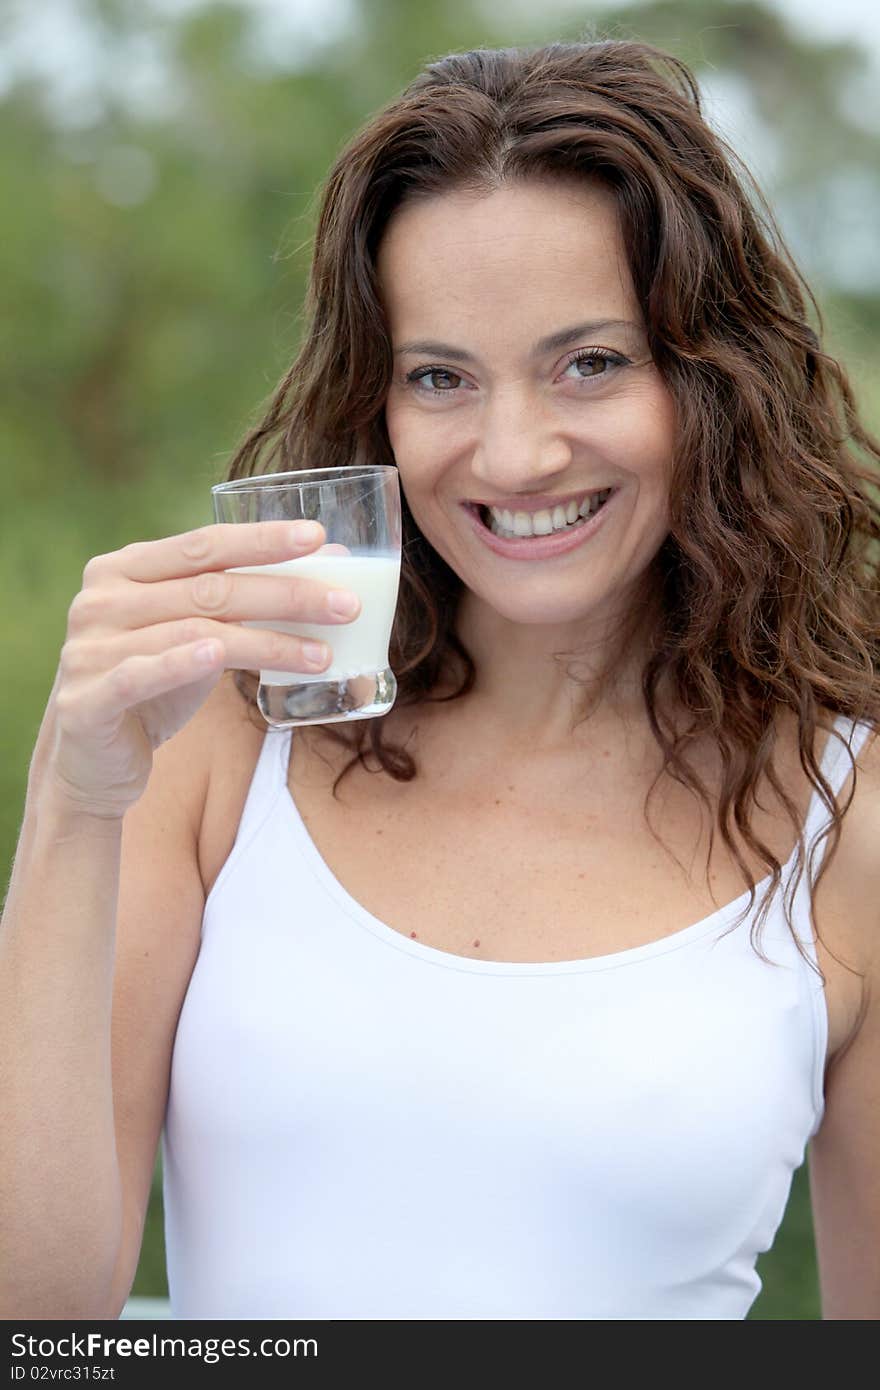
point(769, 578)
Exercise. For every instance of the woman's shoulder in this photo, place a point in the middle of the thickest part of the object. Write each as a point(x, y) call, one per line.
point(862, 738)
point(848, 907)
point(857, 780)
point(224, 742)
point(859, 799)
point(219, 740)
point(226, 713)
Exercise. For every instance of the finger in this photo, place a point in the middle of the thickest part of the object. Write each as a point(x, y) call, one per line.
point(217, 547)
point(219, 597)
point(86, 707)
point(240, 648)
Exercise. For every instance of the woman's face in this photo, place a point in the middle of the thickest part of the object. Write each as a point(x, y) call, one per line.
point(485, 411)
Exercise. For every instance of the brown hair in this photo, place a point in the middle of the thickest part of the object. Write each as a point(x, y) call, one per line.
point(769, 578)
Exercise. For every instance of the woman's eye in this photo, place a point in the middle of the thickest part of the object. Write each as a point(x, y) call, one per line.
point(441, 373)
point(595, 363)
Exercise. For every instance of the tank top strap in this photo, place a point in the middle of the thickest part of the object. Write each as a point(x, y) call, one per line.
point(847, 737)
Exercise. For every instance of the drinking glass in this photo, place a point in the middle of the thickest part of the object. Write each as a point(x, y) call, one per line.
point(359, 508)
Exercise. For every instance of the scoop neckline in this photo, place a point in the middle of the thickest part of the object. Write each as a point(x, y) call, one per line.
point(450, 960)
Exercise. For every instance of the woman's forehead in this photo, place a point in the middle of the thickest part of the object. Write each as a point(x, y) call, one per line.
point(521, 206)
point(533, 255)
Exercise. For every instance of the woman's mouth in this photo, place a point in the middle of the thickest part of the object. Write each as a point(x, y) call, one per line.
point(542, 534)
point(576, 512)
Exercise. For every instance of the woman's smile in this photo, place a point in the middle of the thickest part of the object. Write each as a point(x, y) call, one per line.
point(543, 534)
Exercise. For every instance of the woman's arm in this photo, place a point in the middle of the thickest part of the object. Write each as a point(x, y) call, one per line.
point(844, 1156)
point(97, 943)
point(60, 1199)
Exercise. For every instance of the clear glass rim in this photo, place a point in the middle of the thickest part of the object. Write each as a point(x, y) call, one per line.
point(307, 477)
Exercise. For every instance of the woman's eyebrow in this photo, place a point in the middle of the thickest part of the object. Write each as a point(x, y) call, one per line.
point(549, 344)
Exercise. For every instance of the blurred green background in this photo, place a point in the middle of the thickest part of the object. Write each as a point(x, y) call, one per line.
point(160, 161)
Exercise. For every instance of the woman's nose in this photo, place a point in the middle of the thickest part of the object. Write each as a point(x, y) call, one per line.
point(518, 447)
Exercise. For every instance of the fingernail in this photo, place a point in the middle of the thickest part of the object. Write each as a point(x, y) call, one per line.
point(342, 603)
point(315, 653)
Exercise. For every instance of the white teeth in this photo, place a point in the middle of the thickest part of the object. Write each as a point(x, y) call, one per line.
point(543, 523)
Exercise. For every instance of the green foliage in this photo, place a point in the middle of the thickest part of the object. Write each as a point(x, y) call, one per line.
point(788, 1270)
point(151, 1280)
point(154, 263)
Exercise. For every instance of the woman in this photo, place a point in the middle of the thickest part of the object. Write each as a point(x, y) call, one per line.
point(437, 1023)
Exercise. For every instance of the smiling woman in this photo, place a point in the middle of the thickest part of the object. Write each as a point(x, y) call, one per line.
point(513, 204)
point(640, 557)
point(471, 1040)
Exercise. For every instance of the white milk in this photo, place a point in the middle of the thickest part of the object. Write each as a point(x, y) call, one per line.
point(358, 647)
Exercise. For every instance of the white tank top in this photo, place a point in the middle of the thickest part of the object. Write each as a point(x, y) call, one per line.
point(363, 1126)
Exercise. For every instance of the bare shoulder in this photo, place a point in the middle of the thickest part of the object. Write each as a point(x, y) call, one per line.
point(864, 825)
point(226, 744)
point(213, 747)
point(226, 714)
point(220, 728)
point(856, 868)
point(865, 838)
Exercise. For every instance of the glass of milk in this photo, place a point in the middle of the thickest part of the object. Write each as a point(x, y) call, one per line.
point(359, 508)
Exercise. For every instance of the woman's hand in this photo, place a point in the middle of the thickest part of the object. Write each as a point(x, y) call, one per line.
point(131, 672)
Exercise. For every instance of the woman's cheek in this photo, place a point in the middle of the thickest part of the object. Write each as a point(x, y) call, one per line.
point(421, 446)
point(408, 430)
